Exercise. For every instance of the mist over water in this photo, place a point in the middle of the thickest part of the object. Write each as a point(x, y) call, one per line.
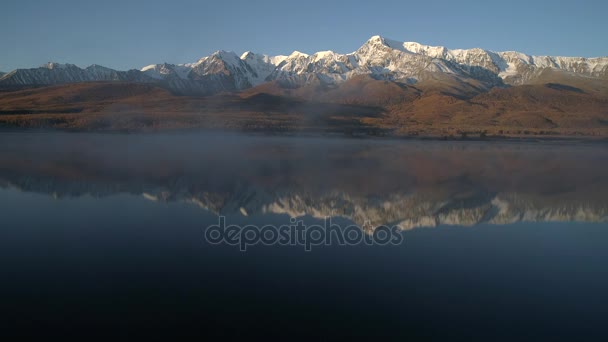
point(105, 229)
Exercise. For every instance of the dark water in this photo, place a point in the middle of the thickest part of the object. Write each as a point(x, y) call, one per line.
point(103, 235)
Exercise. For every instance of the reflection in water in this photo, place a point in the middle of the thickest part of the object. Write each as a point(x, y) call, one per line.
point(371, 182)
point(124, 263)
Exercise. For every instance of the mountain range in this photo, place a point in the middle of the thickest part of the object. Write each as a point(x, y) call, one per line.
point(400, 87)
point(379, 57)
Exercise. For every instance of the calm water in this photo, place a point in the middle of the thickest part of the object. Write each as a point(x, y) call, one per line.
point(105, 234)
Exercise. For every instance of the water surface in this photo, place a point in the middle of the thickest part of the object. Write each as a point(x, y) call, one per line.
point(502, 240)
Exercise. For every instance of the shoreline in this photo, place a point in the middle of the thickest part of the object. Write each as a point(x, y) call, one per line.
point(320, 134)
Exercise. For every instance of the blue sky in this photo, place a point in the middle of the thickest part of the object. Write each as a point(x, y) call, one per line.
point(131, 34)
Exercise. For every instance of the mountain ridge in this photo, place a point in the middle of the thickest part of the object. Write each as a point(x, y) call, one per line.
point(380, 57)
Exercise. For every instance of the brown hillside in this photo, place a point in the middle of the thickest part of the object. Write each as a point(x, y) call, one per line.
point(123, 106)
point(439, 106)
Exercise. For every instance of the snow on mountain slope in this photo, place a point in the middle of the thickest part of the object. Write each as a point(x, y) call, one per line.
point(392, 60)
point(235, 72)
point(513, 67)
point(384, 58)
point(379, 57)
point(162, 71)
point(223, 64)
point(261, 66)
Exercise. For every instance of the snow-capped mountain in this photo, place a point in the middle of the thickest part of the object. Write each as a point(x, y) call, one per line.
point(511, 66)
point(382, 58)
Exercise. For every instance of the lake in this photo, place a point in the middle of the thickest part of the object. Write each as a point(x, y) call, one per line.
point(108, 235)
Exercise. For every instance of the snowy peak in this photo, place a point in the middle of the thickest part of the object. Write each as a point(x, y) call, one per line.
point(53, 65)
point(254, 58)
point(375, 39)
point(248, 55)
point(227, 56)
point(382, 43)
point(166, 70)
point(431, 51)
point(260, 66)
point(325, 55)
point(375, 43)
point(297, 54)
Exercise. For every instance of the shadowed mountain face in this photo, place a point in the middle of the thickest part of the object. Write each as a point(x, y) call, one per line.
point(367, 182)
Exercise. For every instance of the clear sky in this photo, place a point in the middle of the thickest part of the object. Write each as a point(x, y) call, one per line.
point(129, 34)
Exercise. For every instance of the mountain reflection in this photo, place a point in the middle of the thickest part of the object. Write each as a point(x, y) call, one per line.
point(371, 182)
